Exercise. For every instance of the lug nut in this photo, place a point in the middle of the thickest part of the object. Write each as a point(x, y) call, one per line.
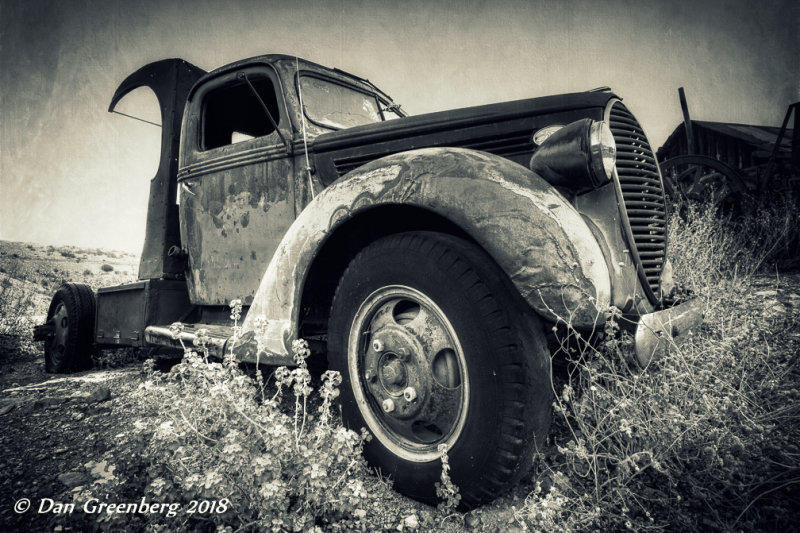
point(377, 345)
point(369, 376)
point(388, 405)
point(410, 394)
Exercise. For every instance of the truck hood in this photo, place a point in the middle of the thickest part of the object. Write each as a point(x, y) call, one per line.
point(505, 129)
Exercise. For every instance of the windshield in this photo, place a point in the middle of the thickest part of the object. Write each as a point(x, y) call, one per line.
point(337, 106)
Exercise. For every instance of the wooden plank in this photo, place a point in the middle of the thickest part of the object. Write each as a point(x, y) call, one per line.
point(687, 122)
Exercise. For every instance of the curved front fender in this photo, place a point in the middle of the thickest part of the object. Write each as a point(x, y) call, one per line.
point(522, 222)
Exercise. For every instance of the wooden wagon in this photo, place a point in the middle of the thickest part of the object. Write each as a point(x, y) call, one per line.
point(726, 163)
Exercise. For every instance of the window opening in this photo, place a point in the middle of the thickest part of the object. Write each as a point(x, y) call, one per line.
point(233, 114)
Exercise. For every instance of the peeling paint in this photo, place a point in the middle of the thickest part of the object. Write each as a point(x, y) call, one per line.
point(549, 253)
point(590, 256)
point(236, 211)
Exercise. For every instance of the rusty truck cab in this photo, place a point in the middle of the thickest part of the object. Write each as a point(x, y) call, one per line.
point(244, 174)
point(234, 175)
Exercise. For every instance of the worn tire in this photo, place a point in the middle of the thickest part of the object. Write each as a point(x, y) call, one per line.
point(474, 353)
point(72, 312)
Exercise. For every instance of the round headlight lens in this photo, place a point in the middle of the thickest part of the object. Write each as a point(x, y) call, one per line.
point(541, 135)
point(603, 150)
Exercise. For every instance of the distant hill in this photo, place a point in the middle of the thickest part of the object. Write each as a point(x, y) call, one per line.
point(31, 273)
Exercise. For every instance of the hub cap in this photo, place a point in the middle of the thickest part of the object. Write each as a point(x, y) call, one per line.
point(60, 321)
point(408, 372)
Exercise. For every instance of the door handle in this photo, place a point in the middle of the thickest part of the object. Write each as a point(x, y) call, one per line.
point(187, 186)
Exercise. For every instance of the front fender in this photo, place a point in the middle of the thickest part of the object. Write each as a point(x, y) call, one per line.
point(536, 237)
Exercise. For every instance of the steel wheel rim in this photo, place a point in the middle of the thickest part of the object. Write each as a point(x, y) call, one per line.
point(60, 320)
point(400, 340)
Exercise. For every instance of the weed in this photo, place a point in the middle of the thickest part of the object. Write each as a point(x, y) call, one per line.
point(707, 248)
point(116, 358)
point(446, 490)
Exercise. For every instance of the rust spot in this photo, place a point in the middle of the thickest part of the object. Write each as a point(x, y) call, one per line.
point(253, 255)
point(245, 220)
point(224, 233)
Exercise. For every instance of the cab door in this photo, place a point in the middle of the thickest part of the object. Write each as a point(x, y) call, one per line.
point(236, 190)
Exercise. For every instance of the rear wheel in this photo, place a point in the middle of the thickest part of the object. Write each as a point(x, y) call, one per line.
point(436, 347)
point(71, 315)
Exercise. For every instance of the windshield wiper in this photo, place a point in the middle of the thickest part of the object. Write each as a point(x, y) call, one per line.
point(243, 76)
point(394, 108)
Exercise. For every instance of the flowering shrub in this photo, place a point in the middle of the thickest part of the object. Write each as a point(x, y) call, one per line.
point(214, 434)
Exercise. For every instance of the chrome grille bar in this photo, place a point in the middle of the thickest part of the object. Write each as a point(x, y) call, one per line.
point(641, 197)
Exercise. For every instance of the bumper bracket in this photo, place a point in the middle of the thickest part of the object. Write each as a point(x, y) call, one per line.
point(657, 332)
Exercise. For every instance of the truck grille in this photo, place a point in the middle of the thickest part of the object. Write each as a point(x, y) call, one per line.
point(643, 204)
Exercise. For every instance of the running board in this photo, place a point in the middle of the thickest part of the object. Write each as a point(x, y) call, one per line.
point(217, 337)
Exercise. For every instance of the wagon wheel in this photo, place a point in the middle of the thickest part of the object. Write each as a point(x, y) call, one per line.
point(703, 179)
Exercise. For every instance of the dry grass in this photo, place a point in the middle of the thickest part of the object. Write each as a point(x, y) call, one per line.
point(706, 439)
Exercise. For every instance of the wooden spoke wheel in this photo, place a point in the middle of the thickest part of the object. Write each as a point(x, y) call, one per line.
point(697, 178)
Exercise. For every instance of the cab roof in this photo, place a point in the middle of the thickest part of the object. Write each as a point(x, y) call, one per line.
point(289, 63)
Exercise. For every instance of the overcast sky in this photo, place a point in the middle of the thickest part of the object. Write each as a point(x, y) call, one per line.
point(71, 173)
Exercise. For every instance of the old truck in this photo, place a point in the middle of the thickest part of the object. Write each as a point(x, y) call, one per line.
point(424, 257)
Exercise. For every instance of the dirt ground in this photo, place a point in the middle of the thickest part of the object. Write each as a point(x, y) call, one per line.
point(54, 428)
point(57, 429)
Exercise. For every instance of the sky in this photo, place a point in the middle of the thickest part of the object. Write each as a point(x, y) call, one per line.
point(73, 174)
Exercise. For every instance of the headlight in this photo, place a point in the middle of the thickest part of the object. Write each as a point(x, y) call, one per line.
point(603, 149)
point(580, 156)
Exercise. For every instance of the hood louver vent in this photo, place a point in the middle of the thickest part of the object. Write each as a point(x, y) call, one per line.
point(506, 146)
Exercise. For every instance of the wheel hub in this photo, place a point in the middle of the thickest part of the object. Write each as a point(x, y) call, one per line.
point(60, 321)
point(399, 363)
point(409, 372)
point(393, 372)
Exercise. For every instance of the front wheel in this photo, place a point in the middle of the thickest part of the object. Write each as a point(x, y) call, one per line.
point(436, 348)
